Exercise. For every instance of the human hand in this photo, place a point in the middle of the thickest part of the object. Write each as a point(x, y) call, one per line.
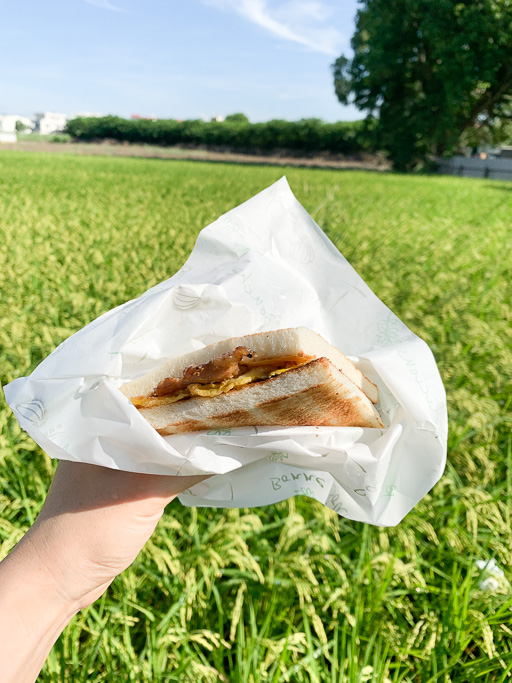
point(95, 521)
point(91, 527)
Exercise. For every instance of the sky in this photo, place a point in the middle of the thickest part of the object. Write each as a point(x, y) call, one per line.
point(176, 59)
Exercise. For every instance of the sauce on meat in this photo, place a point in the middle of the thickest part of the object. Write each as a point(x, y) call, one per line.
point(219, 369)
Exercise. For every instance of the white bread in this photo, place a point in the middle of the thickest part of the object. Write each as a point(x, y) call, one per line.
point(315, 394)
point(291, 341)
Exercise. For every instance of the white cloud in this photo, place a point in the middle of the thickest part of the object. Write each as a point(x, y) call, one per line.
point(307, 10)
point(300, 21)
point(105, 4)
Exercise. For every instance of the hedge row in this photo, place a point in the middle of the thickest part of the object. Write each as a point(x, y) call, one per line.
point(307, 135)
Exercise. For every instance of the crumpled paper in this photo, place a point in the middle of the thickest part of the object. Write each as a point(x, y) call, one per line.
point(264, 265)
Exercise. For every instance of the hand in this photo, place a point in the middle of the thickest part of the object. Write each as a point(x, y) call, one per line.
point(92, 525)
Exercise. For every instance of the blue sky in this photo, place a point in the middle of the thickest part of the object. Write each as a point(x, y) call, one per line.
point(174, 58)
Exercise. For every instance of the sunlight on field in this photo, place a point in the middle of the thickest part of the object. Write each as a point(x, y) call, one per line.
point(288, 592)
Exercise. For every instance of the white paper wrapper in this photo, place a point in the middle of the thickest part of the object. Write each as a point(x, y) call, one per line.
point(262, 266)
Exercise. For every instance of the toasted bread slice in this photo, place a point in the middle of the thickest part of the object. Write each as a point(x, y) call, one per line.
point(316, 394)
point(292, 341)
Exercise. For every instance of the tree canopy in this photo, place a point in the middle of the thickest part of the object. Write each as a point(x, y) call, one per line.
point(238, 117)
point(428, 71)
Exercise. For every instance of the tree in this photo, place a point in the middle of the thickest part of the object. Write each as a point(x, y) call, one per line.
point(428, 71)
point(490, 134)
point(20, 126)
point(237, 118)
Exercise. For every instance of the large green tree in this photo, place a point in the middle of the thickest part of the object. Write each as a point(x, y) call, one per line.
point(428, 70)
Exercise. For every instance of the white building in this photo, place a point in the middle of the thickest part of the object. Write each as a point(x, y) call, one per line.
point(50, 122)
point(8, 137)
point(85, 115)
point(8, 123)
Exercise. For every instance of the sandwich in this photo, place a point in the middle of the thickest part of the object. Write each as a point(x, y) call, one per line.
point(286, 377)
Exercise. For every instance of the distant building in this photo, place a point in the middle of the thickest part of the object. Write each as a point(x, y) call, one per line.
point(8, 137)
point(218, 119)
point(50, 122)
point(85, 115)
point(138, 117)
point(8, 123)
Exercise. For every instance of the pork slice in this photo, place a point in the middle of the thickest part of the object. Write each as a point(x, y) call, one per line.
point(224, 367)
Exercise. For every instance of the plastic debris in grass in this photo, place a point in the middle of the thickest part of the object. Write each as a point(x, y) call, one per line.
point(492, 576)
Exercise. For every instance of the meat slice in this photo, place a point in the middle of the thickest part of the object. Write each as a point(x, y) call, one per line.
point(221, 368)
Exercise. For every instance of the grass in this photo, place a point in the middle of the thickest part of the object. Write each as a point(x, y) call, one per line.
point(38, 137)
point(288, 592)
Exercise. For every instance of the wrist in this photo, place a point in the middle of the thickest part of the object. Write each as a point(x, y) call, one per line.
point(33, 569)
point(33, 613)
point(42, 557)
point(52, 557)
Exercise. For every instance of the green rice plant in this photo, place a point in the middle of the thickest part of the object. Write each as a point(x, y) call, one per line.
point(288, 592)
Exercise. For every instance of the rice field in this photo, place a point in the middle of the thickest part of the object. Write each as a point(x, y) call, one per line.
point(288, 592)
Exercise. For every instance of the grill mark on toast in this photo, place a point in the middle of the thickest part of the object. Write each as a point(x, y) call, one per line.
point(318, 406)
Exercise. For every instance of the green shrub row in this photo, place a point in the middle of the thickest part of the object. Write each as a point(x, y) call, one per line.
point(306, 135)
